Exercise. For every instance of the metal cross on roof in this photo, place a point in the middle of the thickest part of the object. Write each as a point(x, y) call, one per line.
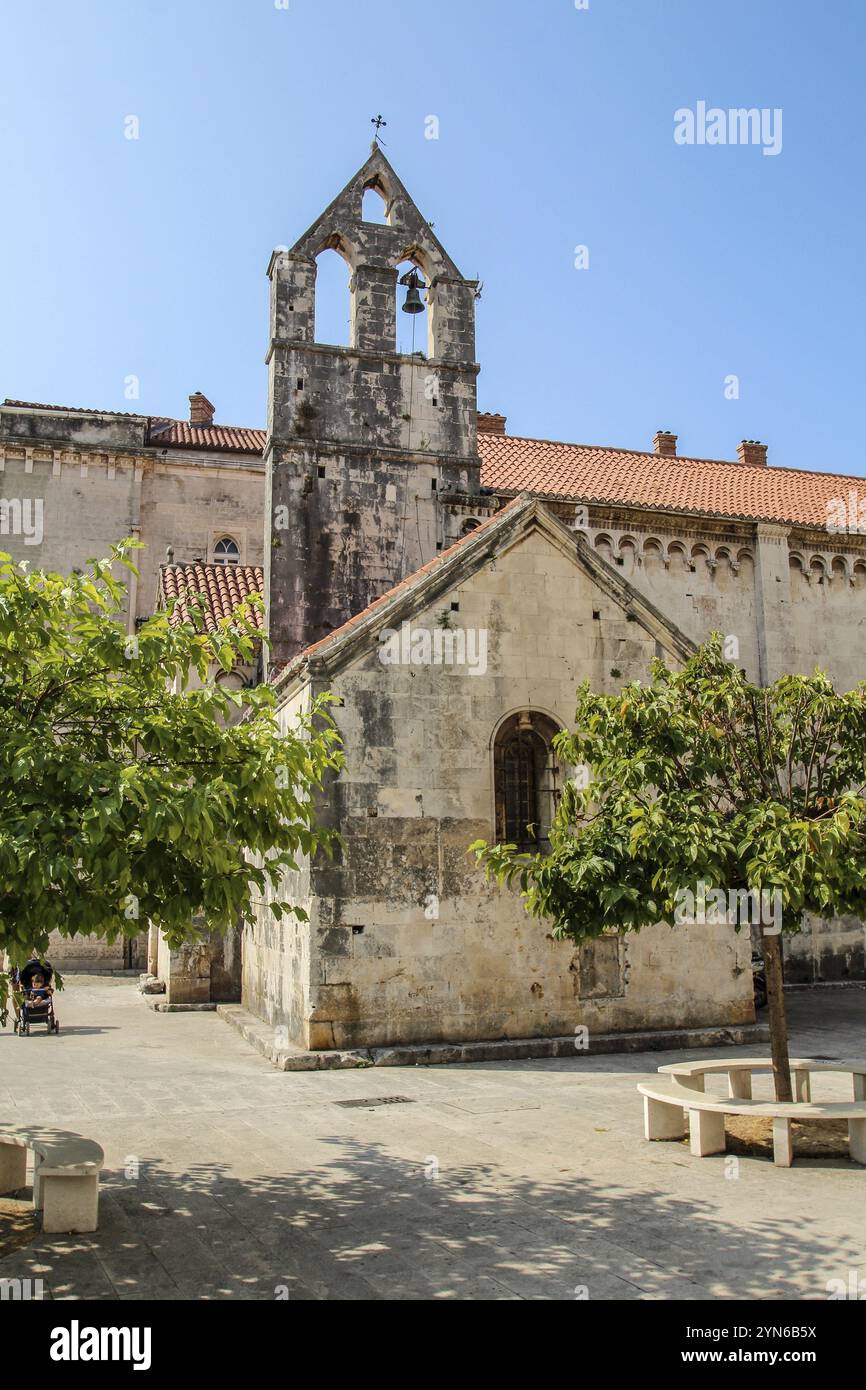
point(378, 122)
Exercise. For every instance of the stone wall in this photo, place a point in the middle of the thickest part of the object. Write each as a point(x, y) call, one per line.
point(826, 951)
point(794, 599)
point(275, 962)
point(85, 954)
point(97, 483)
point(207, 971)
point(418, 791)
point(189, 504)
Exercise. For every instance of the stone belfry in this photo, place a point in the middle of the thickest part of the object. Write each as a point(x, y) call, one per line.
point(364, 443)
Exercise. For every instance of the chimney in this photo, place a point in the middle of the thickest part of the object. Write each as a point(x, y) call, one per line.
point(201, 412)
point(751, 452)
point(492, 424)
point(665, 444)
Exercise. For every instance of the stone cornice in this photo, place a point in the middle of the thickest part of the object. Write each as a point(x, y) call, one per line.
point(608, 516)
point(625, 516)
point(364, 357)
point(310, 452)
point(96, 455)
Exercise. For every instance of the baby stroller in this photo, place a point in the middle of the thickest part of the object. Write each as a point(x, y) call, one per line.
point(37, 1006)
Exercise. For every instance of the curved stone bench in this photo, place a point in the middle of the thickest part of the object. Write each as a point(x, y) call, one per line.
point(668, 1103)
point(741, 1069)
point(65, 1175)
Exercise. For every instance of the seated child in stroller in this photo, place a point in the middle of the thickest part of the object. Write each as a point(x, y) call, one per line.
point(33, 983)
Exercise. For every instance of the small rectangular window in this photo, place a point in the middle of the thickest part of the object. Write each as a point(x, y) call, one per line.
point(322, 473)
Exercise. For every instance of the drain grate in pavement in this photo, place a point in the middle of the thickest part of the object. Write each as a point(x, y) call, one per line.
point(374, 1103)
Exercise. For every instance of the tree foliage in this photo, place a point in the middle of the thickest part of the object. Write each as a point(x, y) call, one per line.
point(702, 777)
point(126, 795)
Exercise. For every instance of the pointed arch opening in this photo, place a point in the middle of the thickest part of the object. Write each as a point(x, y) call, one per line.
point(413, 329)
point(333, 302)
point(374, 205)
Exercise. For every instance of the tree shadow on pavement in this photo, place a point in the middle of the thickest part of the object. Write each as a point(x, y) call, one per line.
point(366, 1225)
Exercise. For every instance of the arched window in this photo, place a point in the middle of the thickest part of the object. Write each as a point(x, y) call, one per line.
point(528, 781)
point(226, 552)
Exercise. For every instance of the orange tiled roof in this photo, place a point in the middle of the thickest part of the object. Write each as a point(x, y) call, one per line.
point(179, 434)
point(626, 477)
point(224, 588)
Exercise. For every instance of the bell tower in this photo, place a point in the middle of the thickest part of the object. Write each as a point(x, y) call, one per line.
point(363, 441)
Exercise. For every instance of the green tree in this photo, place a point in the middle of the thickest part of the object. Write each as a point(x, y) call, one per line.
point(129, 792)
point(700, 777)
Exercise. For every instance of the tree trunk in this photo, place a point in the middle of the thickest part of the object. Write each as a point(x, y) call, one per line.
point(771, 947)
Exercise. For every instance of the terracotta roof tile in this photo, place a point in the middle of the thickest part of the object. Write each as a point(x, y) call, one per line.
point(627, 478)
point(72, 409)
point(179, 434)
point(224, 588)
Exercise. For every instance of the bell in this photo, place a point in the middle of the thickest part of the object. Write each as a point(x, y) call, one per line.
point(414, 303)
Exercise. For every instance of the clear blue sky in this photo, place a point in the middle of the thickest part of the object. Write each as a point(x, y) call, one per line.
point(148, 257)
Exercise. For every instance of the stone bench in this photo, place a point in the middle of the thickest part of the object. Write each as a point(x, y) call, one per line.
point(741, 1069)
point(66, 1172)
point(667, 1103)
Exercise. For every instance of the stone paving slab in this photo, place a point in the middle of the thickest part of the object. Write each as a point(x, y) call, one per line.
point(526, 1179)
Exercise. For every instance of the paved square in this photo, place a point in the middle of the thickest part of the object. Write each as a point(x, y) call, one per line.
point(513, 1180)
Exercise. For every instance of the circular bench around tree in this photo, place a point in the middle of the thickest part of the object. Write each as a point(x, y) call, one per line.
point(678, 1098)
point(741, 1070)
point(66, 1170)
